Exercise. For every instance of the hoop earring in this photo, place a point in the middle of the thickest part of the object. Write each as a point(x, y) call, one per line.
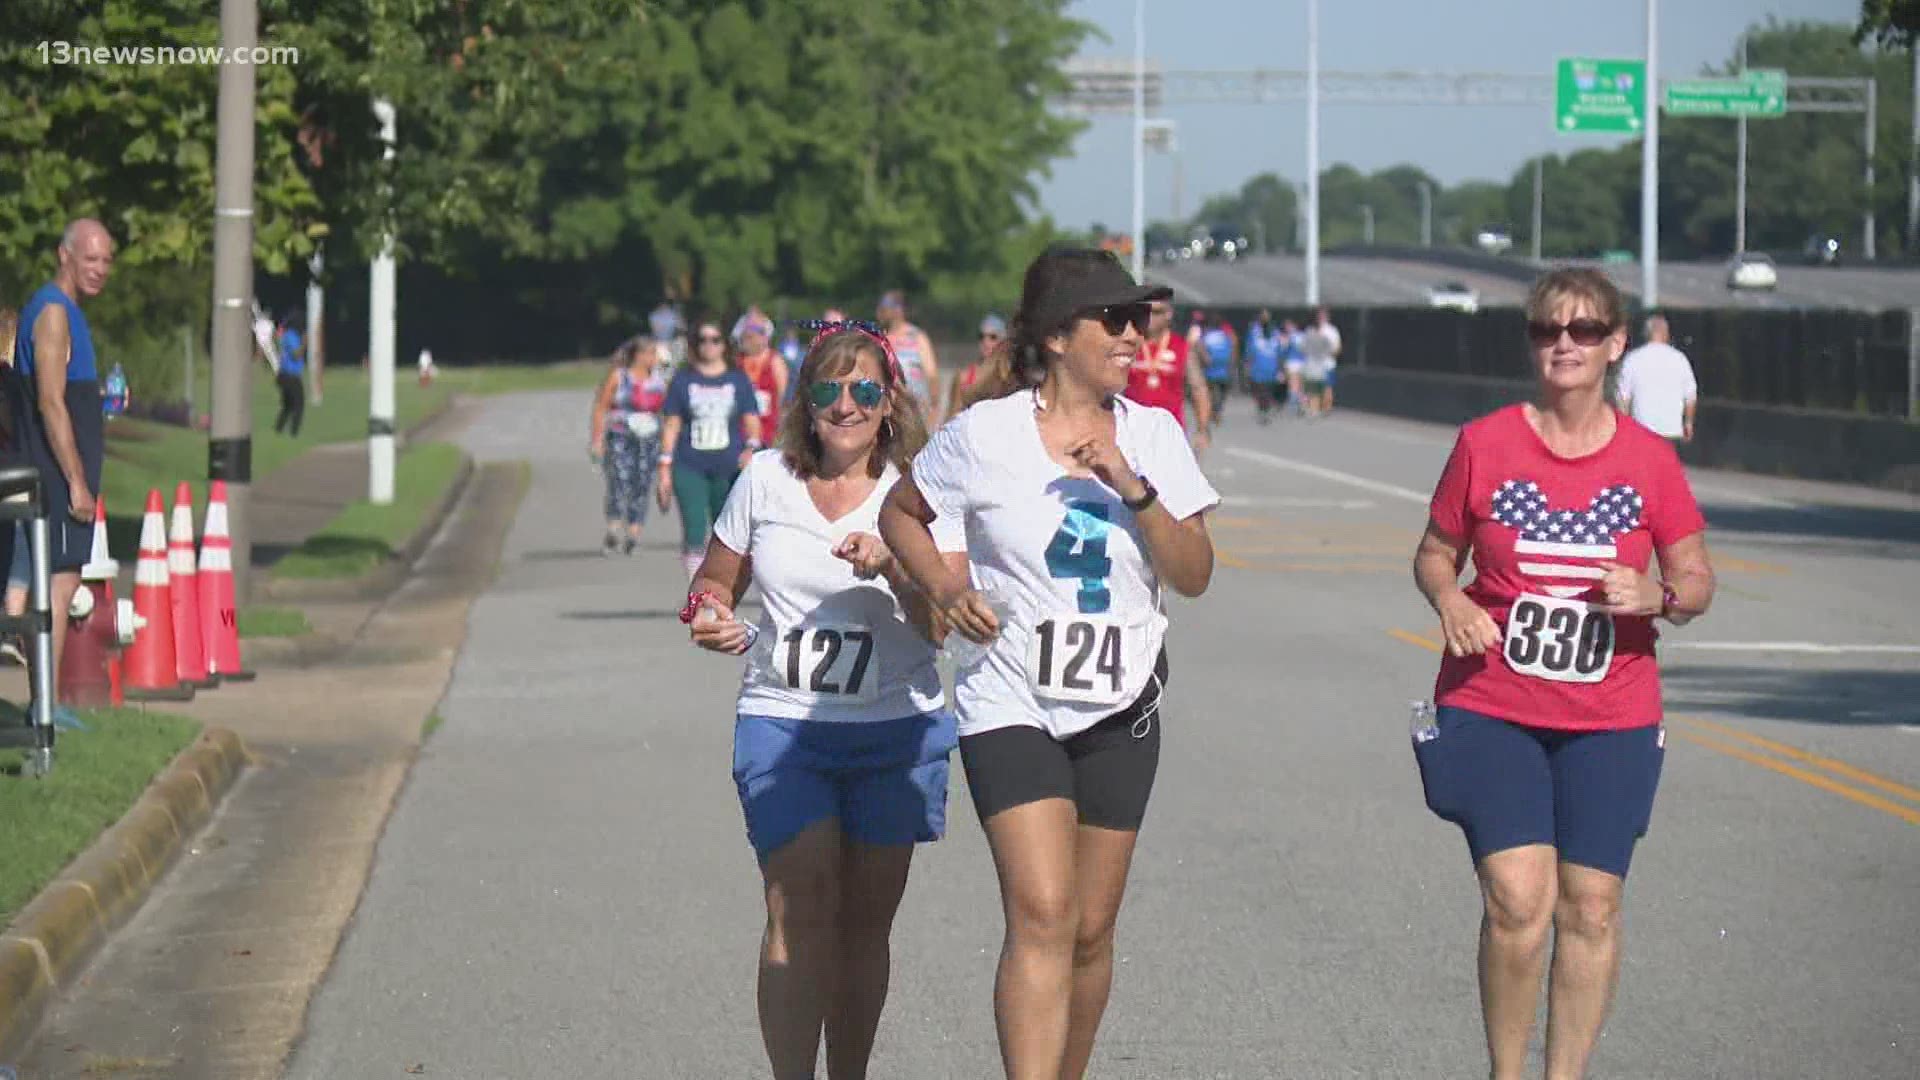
point(886, 429)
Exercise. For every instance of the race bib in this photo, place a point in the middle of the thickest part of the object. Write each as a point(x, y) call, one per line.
point(643, 425)
point(1081, 658)
point(834, 662)
point(710, 433)
point(765, 399)
point(1558, 640)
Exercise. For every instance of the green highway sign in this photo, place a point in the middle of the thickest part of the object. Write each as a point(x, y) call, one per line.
point(1600, 96)
point(1760, 93)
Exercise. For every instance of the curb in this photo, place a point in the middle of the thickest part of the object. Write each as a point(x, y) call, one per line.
point(382, 579)
point(52, 938)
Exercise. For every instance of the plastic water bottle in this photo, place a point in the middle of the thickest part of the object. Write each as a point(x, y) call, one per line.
point(760, 668)
point(963, 651)
point(1423, 725)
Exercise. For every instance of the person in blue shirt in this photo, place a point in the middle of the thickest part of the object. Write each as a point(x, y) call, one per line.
point(1217, 350)
point(1266, 344)
point(59, 419)
point(710, 427)
point(291, 378)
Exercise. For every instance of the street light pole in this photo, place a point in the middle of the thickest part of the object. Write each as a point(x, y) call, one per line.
point(1426, 214)
point(380, 347)
point(230, 427)
point(1366, 224)
point(1740, 167)
point(1873, 97)
point(1313, 152)
point(1139, 138)
point(1539, 203)
point(1650, 167)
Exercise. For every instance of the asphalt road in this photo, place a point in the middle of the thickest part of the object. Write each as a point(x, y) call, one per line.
point(1281, 280)
point(565, 889)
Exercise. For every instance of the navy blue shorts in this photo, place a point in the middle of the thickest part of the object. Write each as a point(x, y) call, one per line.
point(1588, 794)
point(885, 780)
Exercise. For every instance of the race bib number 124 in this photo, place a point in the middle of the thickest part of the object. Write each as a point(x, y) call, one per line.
point(1079, 658)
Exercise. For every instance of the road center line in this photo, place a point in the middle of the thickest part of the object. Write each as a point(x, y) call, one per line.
point(1817, 647)
point(1361, 482)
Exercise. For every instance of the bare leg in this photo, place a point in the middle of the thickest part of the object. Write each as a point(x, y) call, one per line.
point(1034, 853)
point(1518, 887)
point(797, 953)
point(1101, 861)
point(872, 880)
point(1586, 967)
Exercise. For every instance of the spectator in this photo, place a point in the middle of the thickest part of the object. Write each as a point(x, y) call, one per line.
point(291, 379)
point(61, 420)
point(12, 649)
point(1656, 384)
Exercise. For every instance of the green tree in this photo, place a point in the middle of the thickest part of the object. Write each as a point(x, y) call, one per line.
point(1891, 22)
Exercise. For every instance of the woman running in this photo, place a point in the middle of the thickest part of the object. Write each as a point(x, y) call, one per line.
point(764, 367)
point(842, 737)
point(1077, 503)
point(993, 331)
point(710, 426)
point(625, 438)
point(1547, 741)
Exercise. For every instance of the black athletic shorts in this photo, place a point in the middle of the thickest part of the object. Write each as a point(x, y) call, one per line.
point(1107, 770)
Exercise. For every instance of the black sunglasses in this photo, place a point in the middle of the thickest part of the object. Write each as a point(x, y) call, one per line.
point(1586, 333)
point(1115, 318)
point(710, 339)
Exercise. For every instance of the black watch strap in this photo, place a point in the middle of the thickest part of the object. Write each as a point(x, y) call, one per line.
point(1144, 501)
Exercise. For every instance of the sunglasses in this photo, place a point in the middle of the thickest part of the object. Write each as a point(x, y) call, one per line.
point(867, 393)
point(1115, 318)
point(990, 337)
point(710, 339)
point(1586, 333)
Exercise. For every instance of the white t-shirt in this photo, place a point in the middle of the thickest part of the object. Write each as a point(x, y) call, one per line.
point(1065, 553)
point(1321, 344)
point(842, 648)
point(1656, 381)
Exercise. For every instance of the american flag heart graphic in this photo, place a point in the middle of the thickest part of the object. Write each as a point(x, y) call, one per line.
point(1561, 549)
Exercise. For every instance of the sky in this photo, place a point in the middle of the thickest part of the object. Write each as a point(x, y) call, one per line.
point(1223, 145)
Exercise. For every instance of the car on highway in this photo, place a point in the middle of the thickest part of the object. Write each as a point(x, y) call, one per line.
point(1494, 239)
point(1222, 242)
point(1454, 295)
point(1752, 270)
point(1822, 250)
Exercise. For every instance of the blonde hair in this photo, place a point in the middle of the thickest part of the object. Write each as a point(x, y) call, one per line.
point(9, 333)
point(902, 433)
point(1557, 287)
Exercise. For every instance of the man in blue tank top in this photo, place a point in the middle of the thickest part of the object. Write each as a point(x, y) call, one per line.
point(58, 409)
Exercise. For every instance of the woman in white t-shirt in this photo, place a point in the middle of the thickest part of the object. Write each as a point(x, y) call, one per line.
point(1076, 503)
point(842, 736)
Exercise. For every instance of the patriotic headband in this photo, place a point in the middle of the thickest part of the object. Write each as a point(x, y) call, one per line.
point(825, 327)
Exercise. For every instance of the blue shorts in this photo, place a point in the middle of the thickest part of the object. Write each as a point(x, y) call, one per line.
point(885, 780)
point(1588, 794)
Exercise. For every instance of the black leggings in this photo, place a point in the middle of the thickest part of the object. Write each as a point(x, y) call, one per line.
point(293, 405)
point(1107, 770)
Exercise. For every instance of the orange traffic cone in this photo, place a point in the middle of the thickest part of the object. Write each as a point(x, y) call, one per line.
point(189, 645)
point(218, 618)
point(152, 671)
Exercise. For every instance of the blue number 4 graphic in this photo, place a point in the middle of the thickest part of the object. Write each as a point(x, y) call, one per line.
point(1079, 550)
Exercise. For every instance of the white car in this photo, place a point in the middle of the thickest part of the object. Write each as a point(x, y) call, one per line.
point(1454, 295)
point(1493, 240)
point(1752, 271)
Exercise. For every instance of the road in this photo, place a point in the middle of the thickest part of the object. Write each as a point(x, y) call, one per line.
point(565, 888)
point(1281, 280)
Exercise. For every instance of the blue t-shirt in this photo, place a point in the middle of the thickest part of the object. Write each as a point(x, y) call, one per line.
point(80, 361)
point(292, 362)
point(1263, 353)
point(1219, 349)
point(710, 408)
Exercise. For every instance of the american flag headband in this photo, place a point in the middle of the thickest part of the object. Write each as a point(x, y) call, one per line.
point(824, 327)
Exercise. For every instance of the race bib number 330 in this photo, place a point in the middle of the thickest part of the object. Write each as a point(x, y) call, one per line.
point(831, 661)
point(1558, 640)
point(1079, 658)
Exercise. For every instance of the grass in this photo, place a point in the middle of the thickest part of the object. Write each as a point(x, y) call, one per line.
point(364, 535)
point(97, 776)
point(431, 725)
point(507, 378)
point(273, 622)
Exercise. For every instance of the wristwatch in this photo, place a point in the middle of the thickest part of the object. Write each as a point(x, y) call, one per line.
point(1144, 501)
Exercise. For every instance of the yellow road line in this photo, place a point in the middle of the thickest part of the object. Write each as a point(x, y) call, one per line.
point(1907, 814)
point(1839, 768)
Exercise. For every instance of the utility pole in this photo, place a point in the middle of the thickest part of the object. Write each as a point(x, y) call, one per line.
point(1740, 166)
point(230, 446)
point(380, 348)
point(1539, 203)
point(1650, 168)
point(1913, 170)
point(316, 317)
point(1313, 152)
point(1873, 97)
point(1426, 214)
point(1366, 224)
point(1139, 138)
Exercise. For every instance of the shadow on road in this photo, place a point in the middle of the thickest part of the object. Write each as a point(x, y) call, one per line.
point(1850, 697)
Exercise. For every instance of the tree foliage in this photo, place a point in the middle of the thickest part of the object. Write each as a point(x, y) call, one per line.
point(1891, 22)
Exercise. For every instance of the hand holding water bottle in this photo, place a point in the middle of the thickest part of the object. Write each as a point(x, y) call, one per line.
point(714, 628)
point(975, 619)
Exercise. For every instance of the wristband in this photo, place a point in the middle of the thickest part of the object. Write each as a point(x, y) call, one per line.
point(666, 459)
point(694, 600)
point(1144, 501)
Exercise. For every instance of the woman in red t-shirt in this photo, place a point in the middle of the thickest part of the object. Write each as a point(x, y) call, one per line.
point(1546, 744)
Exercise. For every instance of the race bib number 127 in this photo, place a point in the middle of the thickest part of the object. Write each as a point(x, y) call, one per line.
point(1558, 640)
point(1079, 658)
point(831, 661)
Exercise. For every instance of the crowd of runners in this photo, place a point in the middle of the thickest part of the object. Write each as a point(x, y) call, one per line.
point(1021, 523)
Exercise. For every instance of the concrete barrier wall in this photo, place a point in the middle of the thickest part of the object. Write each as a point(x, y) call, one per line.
point(1804, 443)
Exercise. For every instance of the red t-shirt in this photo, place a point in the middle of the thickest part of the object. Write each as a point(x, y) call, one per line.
point(767, 392)
point(1540, 525)
point(1158, 376)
